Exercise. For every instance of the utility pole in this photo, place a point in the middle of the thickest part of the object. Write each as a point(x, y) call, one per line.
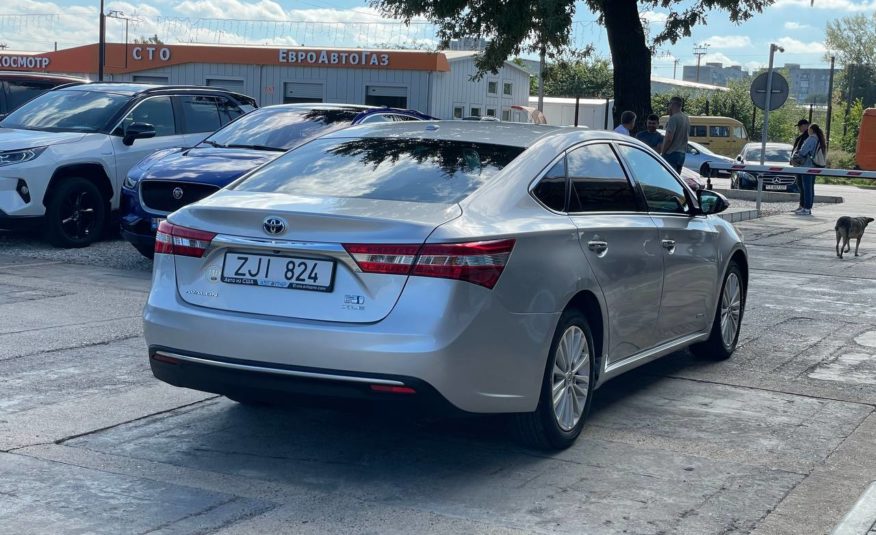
point(829, 101)
point(674, 67)
point(541, 79)
point(851, 69)
point(766, 119)
point(101, 45)
point(699, 52)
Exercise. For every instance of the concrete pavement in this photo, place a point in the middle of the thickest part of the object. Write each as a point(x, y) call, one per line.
point(780, 439)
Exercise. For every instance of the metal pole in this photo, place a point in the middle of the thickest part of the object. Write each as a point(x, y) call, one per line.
point(577, 107)
point(851, 70)
point(101, 45)
point(607, 100)
point(811, 106)
point(766, 123)
point(829, 102)
point(541, 79)
point(126, 43)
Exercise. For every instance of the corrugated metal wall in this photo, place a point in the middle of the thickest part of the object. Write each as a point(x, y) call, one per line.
point(266, 83)
point(455, 89)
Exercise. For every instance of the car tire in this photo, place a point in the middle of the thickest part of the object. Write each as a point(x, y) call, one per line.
point(704, 170)
point(75, 214)
point(727, 324)
point(556, 426)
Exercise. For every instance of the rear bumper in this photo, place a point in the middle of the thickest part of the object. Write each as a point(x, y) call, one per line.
point(284, 384)
point(472, 351)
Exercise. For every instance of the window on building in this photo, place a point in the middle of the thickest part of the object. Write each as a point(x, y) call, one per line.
point(156, 80)
point(157, 111)
point(392, 96)
point(598, 181)
point(201, 114)
point(475, 111)
point(458, 112)
point(491, 112)
point(492, 87)
point(506, 114)
point(507, 89)
point(231, 85)
point(663, 192)
point(302, 93)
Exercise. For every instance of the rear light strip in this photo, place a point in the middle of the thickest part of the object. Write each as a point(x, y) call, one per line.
point(182, 241)
point(479, 263)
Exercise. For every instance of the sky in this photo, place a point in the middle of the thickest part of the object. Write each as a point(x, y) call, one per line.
point(37, 25)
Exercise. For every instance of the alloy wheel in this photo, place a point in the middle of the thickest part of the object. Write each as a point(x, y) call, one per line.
point(78, 215)
point(731, 309)
point(570, 378)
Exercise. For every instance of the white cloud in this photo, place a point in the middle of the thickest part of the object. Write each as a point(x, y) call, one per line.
point(794, 46)
point(232, 9)
point(655, 17)
point(729, 41)
point(849, 6)
point(796, 26)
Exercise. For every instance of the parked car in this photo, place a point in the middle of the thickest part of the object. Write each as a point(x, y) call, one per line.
point(65, 154)
point(173, 178)
point(17, 87)
point(432, 262)
point(777, 154)
point(698, 155)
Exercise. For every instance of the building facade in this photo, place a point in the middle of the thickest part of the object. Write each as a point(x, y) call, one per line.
point(808, 86)
point(713, 74)
point(440, 84)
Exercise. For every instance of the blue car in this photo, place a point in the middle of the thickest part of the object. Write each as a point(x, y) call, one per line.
point(170, 179)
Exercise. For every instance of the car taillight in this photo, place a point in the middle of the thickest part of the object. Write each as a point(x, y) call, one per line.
point(182, 241)
point(393, 259)
point(476, 262)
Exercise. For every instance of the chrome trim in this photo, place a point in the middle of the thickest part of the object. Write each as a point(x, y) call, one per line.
point(276, 371)
point(634, 361)
point(162, 212)
point(332, 250)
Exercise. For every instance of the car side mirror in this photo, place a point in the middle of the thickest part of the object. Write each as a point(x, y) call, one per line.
point(712, 202)
point(739, 158)
point(138, 131)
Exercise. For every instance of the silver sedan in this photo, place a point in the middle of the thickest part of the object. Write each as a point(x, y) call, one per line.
point(475, 266)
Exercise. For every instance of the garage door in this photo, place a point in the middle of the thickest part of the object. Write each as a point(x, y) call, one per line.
point(231, 85)
point(157, 80)
point(297, 92)
point(380, 95)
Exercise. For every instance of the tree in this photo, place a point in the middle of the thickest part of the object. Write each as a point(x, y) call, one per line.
point(852, 39)
point(143, 40)
point(517, 26)
point(579, 78)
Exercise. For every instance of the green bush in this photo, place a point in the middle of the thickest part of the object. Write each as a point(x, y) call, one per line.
point(840, 159)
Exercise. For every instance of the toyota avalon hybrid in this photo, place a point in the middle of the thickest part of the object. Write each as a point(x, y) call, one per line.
point(475, 266)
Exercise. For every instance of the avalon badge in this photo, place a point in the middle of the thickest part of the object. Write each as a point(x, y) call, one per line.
point(274, 225)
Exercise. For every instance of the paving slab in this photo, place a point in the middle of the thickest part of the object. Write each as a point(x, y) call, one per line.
point(44, 497)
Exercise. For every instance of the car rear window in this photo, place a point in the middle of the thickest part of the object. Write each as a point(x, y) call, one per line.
point(282, 128)
point(416, 170)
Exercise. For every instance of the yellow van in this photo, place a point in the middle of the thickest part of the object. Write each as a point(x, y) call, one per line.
point(723, 135)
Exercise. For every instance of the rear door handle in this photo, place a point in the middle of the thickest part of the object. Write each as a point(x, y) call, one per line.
point(597, 246)
point(669, 245)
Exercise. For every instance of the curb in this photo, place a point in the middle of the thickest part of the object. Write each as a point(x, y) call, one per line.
point(773, 196)
point(861, 518)
point(736, 217)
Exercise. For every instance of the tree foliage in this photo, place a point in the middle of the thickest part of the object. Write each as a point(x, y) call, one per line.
point(852, 39)
point(579, 78)
point(143, 40)
point(518, 26)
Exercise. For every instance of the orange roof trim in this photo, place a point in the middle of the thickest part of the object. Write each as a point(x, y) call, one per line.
point(136, 57)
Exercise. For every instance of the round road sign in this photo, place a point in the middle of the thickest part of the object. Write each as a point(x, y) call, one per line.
point(779, 91)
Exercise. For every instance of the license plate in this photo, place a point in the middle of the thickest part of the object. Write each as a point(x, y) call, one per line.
point(287, 272)
point(772, 187)
point(156, 221)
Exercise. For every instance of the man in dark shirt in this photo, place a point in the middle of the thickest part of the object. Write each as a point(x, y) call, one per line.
point(803, 127)
point(651, 136)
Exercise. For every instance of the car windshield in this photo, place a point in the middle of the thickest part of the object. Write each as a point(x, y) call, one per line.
point(67, 111)
point(416, 170)
point(772, 155)
point(281, 128)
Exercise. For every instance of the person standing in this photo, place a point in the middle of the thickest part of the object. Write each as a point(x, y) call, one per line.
point(803, 127)
point(677, 129)
point(651, 136)
point(813, 152)
point(628, 123)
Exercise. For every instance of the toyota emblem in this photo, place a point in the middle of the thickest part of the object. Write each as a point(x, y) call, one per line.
point(274, 225)
point(177, 193)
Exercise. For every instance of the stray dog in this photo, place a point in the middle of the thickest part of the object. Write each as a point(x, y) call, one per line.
point(848, 228)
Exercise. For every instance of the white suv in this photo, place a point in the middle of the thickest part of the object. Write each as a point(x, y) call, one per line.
point(65, 154)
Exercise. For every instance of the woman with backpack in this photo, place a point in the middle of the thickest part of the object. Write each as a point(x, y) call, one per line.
point(812, 154)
